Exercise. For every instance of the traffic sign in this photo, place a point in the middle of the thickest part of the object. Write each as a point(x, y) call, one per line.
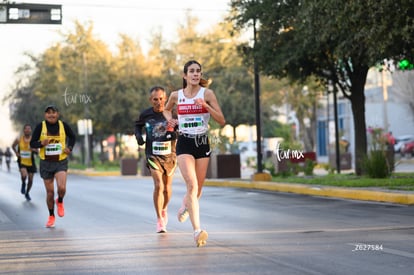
point(30, 14)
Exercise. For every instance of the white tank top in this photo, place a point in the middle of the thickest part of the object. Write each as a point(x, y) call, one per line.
point(192, 119)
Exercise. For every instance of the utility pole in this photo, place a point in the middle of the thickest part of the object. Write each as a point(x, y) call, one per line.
point(87, 130)
point(257, 103)
point(385, 97)
point(332, 87)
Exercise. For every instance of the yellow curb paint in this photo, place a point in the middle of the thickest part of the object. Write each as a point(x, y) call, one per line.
point(348, 193)
point(95, 173)
point(261, 177)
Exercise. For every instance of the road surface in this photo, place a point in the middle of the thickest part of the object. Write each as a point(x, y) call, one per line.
point(109, 228)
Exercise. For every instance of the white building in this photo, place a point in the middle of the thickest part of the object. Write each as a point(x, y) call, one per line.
point(386, 106)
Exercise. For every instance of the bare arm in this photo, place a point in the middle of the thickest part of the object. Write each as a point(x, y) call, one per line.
point(14, 147)
point(212, 106)
point(172, 101)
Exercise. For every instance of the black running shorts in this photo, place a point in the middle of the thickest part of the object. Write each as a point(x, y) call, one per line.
point(48, 169)
point(196, 145)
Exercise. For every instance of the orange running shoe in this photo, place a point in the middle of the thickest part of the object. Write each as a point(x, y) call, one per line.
point(61, 209)
point(50, 222)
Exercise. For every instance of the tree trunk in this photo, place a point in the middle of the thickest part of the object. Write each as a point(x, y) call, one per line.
point(358, 110)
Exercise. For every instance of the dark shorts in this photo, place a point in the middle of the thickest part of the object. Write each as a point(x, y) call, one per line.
point(166, 165)
point(196, 145)
point(30, 169)
point(48, 169)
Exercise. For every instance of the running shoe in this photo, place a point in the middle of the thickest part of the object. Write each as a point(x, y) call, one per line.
point(182, 214)
point(23, 189)
point(28, 198)
point(164, 215)
point(51, 222)
point(61, 209)
point(161, 226)
point(200, 238)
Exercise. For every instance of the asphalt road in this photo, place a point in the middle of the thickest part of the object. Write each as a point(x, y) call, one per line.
point(109, 228)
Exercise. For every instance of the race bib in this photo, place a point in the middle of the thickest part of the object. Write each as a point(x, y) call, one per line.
point(25, 154)
point(161, 148)
point(192, 124)
point(53, 149)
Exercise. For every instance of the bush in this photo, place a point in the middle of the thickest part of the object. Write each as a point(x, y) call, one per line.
point(376, 165)
point(290, 171)
point(268, 165)
point(308, 167)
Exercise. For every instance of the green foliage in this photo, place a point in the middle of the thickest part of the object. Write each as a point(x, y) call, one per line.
point(294, 169)
point(290, 145)
point(377, 139)
point(308, 167)
point(85, 79)
point(331, 40)
point(405, 64)
point(284, 132)
point(286, 173)
point(271, 128)
point(376, 165)
point(97, 166)
point(269, 166)
point(400, 181)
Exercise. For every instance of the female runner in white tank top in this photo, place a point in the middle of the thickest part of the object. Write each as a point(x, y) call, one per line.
point(195, 105)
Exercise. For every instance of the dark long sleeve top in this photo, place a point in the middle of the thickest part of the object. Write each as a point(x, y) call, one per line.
point(155, 126)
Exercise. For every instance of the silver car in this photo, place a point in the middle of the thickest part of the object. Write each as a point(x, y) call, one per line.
point(400, 141)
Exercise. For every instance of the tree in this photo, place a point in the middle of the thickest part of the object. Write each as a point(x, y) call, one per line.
point(331, 40)
point(231, 80)
point(130, 88)
point(24, 104)
point(85, 79)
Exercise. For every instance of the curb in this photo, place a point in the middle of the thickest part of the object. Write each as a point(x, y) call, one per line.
point(91, 173)
point(324, 191)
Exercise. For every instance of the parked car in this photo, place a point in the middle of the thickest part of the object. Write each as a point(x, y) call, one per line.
point(400, 141)
point(408, 148)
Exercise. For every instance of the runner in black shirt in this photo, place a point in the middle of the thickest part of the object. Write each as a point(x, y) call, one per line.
point(55, 140)
point(160, 152)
